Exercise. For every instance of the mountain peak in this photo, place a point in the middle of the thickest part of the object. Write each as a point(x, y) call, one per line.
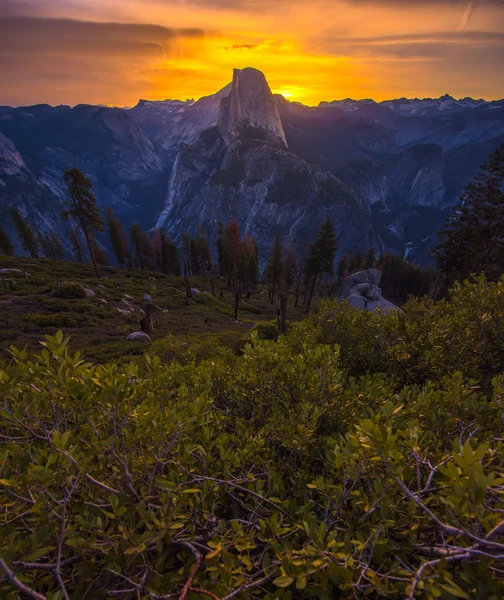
point(250, 103)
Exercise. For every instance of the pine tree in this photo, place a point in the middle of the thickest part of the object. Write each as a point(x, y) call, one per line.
point(342, 269)
point(221, 249)
point(82, 208)
point(274, 268)
point(169, 256)
point(118, 239)
point(52, 245)
point(320, 258)
point(250, 257)
point(355, 263)
point(142, 247)
point(300, 274)
point(25, 233)
point(203, 251)
point(289, 268)
point(473, 241)
point(6, 246)
point(233, 247)
point(77, 246)
point(101, 255)
point(157, 249)
point(185, 244)
point(369, 261)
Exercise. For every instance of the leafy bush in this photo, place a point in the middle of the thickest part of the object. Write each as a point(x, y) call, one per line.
point(54, 320)
point(68, 289)
point(279, 473)
point(426, 341)
point(266, 331)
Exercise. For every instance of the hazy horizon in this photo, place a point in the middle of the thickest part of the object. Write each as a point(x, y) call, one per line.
point(91, 52)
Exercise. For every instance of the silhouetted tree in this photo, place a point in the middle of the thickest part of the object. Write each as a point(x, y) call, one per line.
point(233, 248)
point(52, 245)
point(142, 247)
point(6, 246)
point(369, 261)
point(473, 241)
point(274, 268)
point(320, 258)
point(342, 269)
point(82, 209)
point(25, 233)
point(169, 256)
point(289, 267)
point(77, 246)
point(204, 256)
point(118, 239)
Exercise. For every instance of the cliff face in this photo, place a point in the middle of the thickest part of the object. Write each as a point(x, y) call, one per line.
point(266, 188)
point(251, 103)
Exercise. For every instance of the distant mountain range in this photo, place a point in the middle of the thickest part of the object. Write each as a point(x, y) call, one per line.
point(387, 173)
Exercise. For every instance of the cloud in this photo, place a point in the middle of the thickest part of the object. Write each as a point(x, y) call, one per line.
point(62, 57)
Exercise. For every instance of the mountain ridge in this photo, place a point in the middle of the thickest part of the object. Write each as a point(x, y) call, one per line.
point(400, 158)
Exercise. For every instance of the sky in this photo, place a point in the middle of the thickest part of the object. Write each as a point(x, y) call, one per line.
point(117, 51)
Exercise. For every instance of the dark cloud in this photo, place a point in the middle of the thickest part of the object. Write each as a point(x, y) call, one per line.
point(441, 36)
point(456, 47)
point(97, 61)
point(416, 3)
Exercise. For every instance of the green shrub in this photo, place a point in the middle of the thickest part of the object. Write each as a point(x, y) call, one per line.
point(68, 289)
point(282, 472)
point(54, 320)
point(267, 330)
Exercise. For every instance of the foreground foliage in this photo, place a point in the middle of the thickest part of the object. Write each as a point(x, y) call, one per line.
point(299, 469)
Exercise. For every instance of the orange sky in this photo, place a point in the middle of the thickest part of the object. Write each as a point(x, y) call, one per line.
point(115, 52)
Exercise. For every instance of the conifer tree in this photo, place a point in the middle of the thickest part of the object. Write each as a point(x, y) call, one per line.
point(233, 248)
point(169, 256)
point(52, 245)
point(289, 268)
point(77, 246)
point(320, 257)
point(355, 263)
point(118, 239)
point(142, 247)
point(221, 250)
point(343, 268)
point(186, 243)
point(25, 233)
point(274, 268)
point(203, 251)
point(82, 209)
point(369, 261)
point(6, 246)
point(473, 241)
point(101, 255)
point(300, 274)
point(156, 243)
point(250, 257)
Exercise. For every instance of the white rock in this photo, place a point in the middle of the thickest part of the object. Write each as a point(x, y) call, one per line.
point(138, 336)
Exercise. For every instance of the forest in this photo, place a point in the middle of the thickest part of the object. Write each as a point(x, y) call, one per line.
point(355, 455)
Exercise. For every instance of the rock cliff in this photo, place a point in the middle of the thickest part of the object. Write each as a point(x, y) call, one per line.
point(250, 103)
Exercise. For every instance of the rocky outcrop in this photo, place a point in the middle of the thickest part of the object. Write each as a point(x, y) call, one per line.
point(361, 291)
point(138, 336)
point(250, 104)
point(266, 188)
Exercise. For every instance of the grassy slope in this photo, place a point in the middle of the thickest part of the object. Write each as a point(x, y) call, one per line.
point(28, 309)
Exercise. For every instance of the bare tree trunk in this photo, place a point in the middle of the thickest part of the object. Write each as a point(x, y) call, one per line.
point(300, 276)
point(188, 291)
point(92, 253)
point(237, 300)
point(213, 288)
point(312, 291)
point(149, 324)
point(282, 313)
